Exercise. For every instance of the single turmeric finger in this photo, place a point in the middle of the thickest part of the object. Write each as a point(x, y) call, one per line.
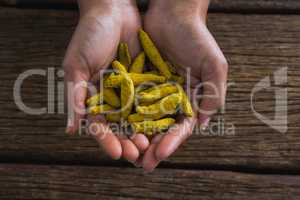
point(136, 117)
point(124, 55)
point(127, 95)
point(145, 103)
point(157, 92)
point(152, 127)
point(153, 54)
point(138, 64)
point(165, 106)
point(119, 67)
point(108, 95)
point(143, 78)
point(100, 109)
point(112, 80)
point(175, 78)
point(115, 80)
point(185, 103)
point(155, 72)
point(95, 100)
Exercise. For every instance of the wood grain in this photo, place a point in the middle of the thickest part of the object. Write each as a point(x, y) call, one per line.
point(85, 183)
point(256, 46)
point(253, 6)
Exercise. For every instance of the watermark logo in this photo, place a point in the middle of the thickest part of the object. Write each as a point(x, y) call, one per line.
point(56, 94)
point(280, 122)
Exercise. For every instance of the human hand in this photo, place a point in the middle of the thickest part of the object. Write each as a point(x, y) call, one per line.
point(178, 28)
point(102, 25)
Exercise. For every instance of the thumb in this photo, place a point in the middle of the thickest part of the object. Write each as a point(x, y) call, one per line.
point(76, 83)
point(214, 79)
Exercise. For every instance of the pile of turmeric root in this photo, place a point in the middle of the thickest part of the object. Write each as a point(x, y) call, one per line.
point(148, 97)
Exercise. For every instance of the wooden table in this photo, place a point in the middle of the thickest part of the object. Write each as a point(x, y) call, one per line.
point(39, 161)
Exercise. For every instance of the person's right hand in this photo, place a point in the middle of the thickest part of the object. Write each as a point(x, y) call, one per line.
point(102, 25)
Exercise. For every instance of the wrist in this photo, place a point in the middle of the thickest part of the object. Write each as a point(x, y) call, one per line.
point(93, 7)
point(96, 7)
point(182, 7)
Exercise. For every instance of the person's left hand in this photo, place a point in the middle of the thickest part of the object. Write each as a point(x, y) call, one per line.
point(179, 30)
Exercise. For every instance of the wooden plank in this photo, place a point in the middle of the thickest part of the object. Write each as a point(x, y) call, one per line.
point(274, 6)
point(74, 182)
point(256, 46)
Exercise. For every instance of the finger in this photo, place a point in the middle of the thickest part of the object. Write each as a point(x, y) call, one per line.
point(76, 87)
point(214, 78)
point(140, 141)
point(150, 161)
point(174, 138)
point(133, 45)
point(130, 36)
point(105, 137)
point(129, 150)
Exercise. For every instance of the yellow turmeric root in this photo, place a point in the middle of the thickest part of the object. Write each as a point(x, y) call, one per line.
point(115, 80)
point(153, 54)
point(165, 106)
point(111, 97)
point(95, 100)
point(152, 127)
point(185, 103)
point(175, 78)
point(154, 72)
point(100, 109)
point(124, 55)
point(157, 92)
point(113, 117)
point(136, 117)
point(140, 88)
point(127, 95)
point(119, 67)
point(145, 103)
point(138, 64)
point(108, 95)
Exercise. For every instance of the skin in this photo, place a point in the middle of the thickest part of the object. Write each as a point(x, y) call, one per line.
point(178, 26)
point(102, 25)
point(175, 26)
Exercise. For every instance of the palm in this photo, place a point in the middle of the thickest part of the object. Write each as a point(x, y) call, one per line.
point(185, 41)
point(93, 48)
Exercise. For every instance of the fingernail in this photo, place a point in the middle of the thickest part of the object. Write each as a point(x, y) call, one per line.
point(204, 122)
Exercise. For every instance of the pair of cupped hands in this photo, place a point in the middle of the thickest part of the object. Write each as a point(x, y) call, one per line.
point(178, 28)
